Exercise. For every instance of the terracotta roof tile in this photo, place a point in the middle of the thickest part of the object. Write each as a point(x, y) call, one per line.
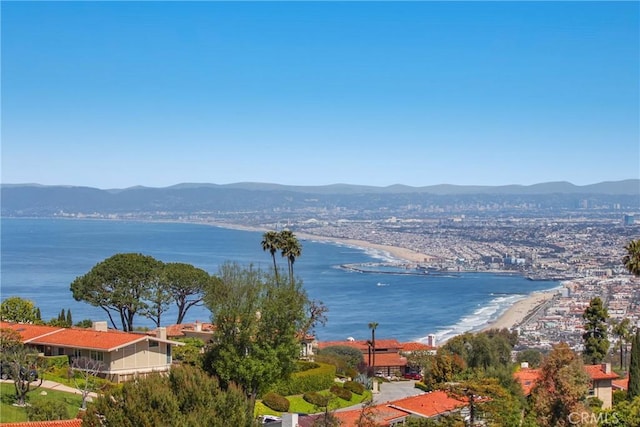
point(388, 359)
point(429, 404)
point(90, 339)
point(382, 414)
point(28, 331)
point(620, 384)
point(416, 346)
point(390, 344)
point(527, 378)
point(76, 422)
point(597, 372)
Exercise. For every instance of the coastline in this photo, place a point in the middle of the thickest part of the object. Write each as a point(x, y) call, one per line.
point(520, 310)
point(511, 317)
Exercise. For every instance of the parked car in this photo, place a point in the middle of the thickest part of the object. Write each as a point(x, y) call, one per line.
point(6, 372)
point(413, 376)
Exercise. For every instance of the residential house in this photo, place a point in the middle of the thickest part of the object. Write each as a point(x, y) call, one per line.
point(395, 413)
point(122, 355)
point(388, 359)
point(601, 385)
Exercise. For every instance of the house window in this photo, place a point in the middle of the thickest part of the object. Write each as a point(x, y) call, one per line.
point(96, 355)
point(153, 343)
point(77, 352)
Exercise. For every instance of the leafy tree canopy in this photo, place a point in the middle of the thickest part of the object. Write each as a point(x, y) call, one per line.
point(18, 310)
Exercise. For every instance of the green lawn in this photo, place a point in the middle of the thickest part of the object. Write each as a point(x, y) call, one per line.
point(300, 406)
point(10, 413)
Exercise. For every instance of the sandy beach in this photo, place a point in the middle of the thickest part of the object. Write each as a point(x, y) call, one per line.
point(515, 314)
point(512, 317)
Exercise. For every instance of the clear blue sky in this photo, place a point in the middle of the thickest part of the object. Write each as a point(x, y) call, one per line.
point(117, 94)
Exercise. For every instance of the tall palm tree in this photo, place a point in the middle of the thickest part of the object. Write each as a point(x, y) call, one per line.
point(622, 330)
point(632, 259)
point(291, 249)
point(271, 242)
point(373, 326)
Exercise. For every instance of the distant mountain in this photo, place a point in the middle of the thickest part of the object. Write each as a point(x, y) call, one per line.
point(247, 198)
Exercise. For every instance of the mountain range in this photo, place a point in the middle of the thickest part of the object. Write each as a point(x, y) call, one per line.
point(190, 198)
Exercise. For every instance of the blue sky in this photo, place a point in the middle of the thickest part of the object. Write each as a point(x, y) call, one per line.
point(117, 94)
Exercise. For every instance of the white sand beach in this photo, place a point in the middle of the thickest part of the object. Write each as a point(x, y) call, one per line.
point(515, 314)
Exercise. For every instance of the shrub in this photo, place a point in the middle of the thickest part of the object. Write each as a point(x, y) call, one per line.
point(354, 387)
point(302, 366)
point(314, 379)
point(422, 386)
point(316, 399)
point(47, 410)
point(55, 362)
point(276, 402)
point(342, 393)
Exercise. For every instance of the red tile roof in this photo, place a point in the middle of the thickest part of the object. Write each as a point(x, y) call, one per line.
point(390, 344)
point(90, 339)
point(76, 422)
point(77, 337)
point(416, 346)
point(527, 378)
point(620, 384)
point(429, 404)
point(598, 372)
point(388, 359)
point(28, 331)
point(382, 414)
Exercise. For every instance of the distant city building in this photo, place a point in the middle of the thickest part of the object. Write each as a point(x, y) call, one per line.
point(629, 220)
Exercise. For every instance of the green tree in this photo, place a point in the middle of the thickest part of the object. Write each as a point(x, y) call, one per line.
point(621, 330)
point(186, 397)
point(596, 344)
point(633, 389)
point(632, 259)
point(561, 388)
point(530, 355)
point(121, 284)
point(18, 310)
point(47, 410)
point(271, 242)
point(257, 322)
point(350, 357)
point(186, 285)
point(291, 249)
point(21, 362)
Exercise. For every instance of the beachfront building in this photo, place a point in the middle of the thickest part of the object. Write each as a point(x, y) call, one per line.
point(121, 355)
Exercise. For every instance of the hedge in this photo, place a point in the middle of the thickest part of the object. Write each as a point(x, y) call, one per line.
point(354, 387)
point(276, 402)
point(315, 379)
point(316, 399)
point(422, 386)
point(342, 393)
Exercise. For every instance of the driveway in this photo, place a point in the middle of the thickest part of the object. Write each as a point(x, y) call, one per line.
point(395, 390)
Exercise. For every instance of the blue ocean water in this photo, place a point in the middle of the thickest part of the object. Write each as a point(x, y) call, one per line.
point(41, 257)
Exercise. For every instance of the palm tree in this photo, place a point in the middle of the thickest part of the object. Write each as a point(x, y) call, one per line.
point(373, 326)
point(271, 242)
point(632, 259)
point(622, 330)
point(291, 249)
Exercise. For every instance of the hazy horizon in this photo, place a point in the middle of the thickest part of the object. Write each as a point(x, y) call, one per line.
point(114, 95)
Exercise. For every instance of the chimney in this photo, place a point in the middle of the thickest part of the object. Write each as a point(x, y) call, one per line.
point(161, 333)
point(606, 367)
point(198, 326)
point(100, 326)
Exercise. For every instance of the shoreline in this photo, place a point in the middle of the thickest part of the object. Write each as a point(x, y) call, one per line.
point(510, 318)
point(513, 316)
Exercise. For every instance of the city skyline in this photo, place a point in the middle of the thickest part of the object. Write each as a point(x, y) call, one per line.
point(118, 94)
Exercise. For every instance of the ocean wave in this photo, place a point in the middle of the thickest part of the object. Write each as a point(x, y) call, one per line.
point(478, 319)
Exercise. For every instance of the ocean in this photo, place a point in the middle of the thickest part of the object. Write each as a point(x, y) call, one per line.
point(41, 257)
